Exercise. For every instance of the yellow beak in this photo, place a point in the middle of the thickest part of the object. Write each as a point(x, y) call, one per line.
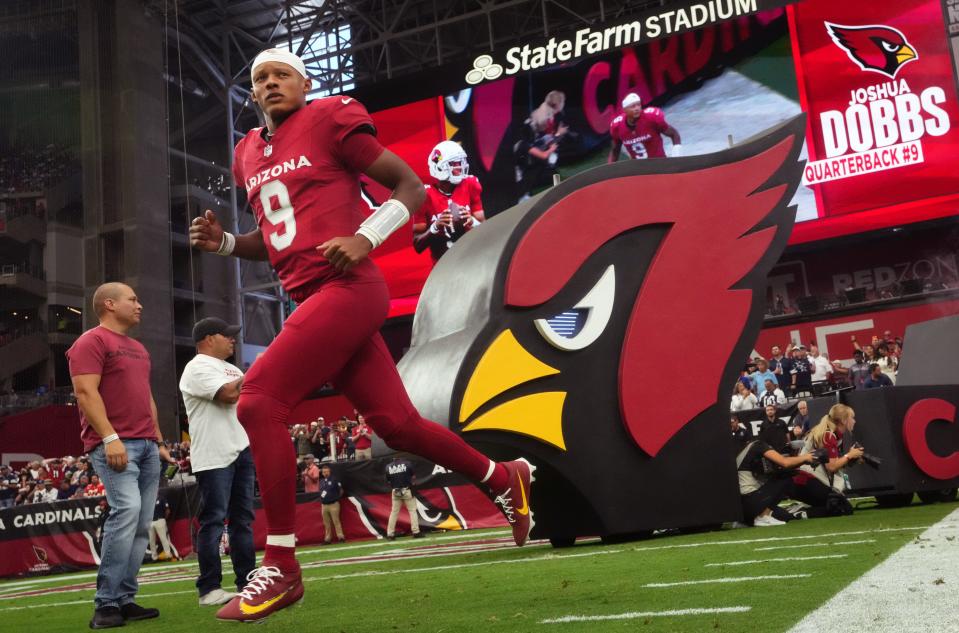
point(504, 365)
point(905, 54)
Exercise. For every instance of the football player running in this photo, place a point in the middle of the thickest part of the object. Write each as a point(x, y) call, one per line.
point(301, 173)
point(641, 131)
point(453, 205)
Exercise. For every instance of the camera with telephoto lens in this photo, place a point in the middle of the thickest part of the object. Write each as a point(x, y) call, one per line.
point(871, 460)
point(820, 457)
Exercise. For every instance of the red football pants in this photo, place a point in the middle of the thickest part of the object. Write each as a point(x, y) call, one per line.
point(333, 336)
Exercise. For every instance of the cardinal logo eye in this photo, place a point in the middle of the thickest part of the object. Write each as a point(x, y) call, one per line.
point(598, 304)
point(889, 46)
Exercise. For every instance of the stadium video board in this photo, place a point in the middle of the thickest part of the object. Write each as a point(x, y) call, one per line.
point(876, 81)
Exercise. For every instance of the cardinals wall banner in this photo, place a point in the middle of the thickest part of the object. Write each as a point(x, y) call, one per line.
point(876, 79)
point(65, 536)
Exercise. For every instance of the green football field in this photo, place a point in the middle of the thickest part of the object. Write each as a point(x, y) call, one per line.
point(758, 579)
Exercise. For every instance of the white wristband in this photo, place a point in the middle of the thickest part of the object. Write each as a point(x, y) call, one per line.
point(227, 244)
point(677, 150)
point(110, 438)
point(391, 215)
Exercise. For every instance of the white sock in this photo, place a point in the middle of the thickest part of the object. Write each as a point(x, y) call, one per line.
point(489, 473)
point(281, 540)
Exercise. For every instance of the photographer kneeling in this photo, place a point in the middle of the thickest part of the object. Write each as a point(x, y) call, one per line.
point(764, 482)
point(822, 484)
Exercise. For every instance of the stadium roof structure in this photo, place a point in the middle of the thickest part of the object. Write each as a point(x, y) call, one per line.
point(359, 42)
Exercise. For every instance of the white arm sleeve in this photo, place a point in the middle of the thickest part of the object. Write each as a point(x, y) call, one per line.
point(391, 215)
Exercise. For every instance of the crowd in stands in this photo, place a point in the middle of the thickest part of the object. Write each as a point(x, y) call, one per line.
point(324, 442)
point(50, 480)
point(32, 169)
point(57, 478)
point(800, 459)
point(12, 401)
point(805, 372)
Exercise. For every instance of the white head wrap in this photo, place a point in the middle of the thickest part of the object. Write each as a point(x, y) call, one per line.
point(630, 99)
point(279, 55)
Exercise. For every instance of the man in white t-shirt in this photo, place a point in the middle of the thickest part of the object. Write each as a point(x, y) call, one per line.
point(220, 458)
point(820, 365)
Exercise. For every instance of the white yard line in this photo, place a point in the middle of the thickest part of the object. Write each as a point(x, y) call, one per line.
point(785, 559)
point(774, 539)
point(722, 581)
point(826, 544)
point(915, 589)
point(633, 615)
point(89, 601)
point(392, 546)
point(528, 559)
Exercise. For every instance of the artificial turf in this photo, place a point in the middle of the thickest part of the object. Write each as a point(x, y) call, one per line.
point(511, 589)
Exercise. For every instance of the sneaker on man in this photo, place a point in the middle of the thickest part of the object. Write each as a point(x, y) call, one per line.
point(106, 618)
point(216, 596)
point(514, 501)
point(767, 521)
point(267, 591)
point(132, 612)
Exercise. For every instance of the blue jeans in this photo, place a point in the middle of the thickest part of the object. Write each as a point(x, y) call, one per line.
point(227, 493)
point(131, 495)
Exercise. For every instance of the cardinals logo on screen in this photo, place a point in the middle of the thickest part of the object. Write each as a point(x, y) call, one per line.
point(875, 48)
point(661, 266)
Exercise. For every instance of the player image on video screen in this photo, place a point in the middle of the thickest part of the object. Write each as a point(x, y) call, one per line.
point(453, 205)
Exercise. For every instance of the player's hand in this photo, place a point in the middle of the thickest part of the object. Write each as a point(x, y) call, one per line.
point(165, 454)
point(462, 216)
point(441, 221)
point(206, 232)
point(116, 454)
point(854, 453)
point(345, 252)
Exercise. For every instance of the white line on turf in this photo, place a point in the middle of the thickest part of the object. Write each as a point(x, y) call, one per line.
point(915, 589)
point(719, 581)
point(77, 577)
point(47, 605)
point(362, 574)
point(450, 550)
point(529, 559)
point(774, 560)
point(391, 546)
point(825, 544)
point(774, 539)
point(633, 615)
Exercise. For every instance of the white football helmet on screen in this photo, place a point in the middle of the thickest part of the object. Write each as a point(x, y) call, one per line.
point(448, 162)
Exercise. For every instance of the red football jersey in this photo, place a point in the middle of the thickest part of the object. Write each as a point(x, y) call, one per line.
point(466, 194)
point(642, 140)
point(301, 190)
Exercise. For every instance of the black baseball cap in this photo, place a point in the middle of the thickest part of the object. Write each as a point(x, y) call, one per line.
point(212, 325)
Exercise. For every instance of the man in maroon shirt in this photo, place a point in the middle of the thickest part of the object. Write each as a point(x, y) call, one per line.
point(301, 174)
point(120, 431)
